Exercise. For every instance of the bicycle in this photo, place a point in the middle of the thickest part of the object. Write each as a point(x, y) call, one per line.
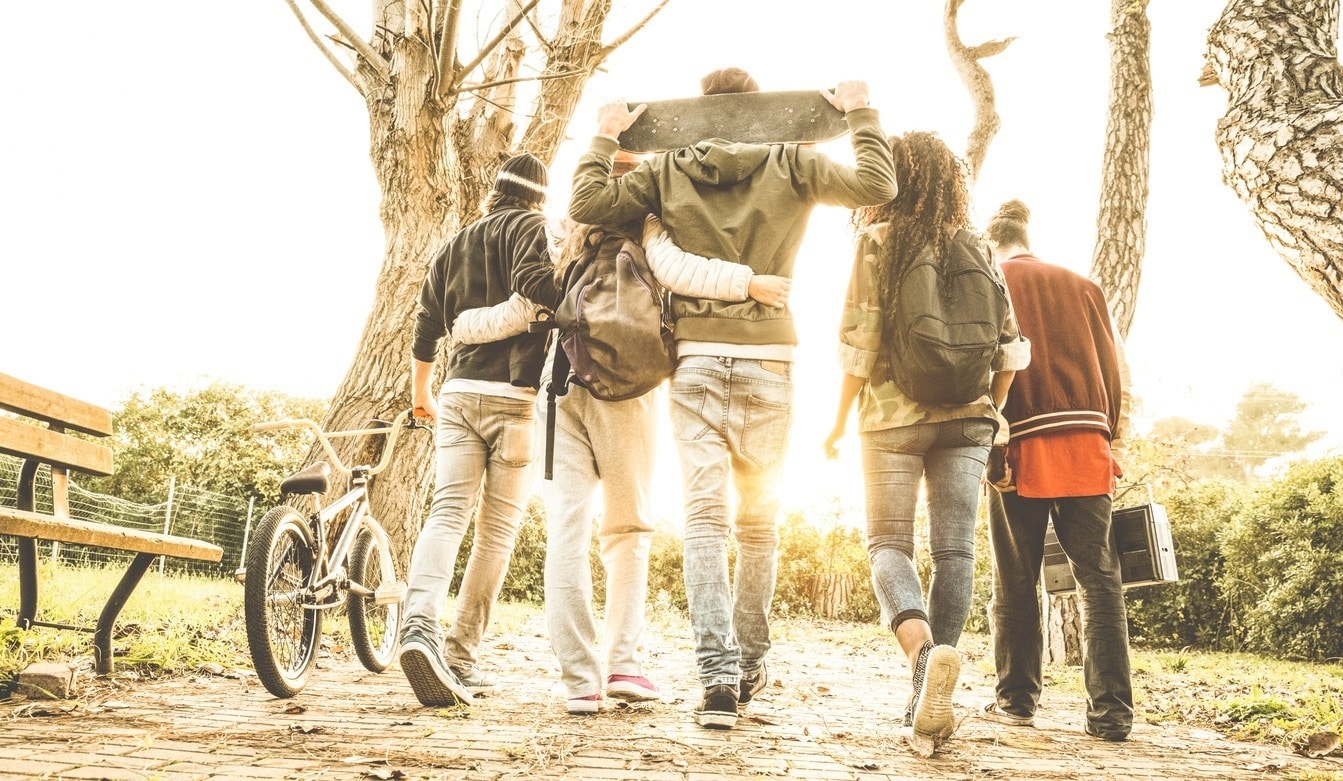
point(296, 577)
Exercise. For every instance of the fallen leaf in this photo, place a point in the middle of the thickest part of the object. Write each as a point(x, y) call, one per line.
point(865, 764)
point(211, 668)
point(385, 774)
point(1320, 744)
point(295, 709)
point(1270, 765)
point(306, 729)
point(44, 709)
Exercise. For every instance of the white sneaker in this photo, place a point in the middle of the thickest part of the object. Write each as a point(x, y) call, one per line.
point(934, 720)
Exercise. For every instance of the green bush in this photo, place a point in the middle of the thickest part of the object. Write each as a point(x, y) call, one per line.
point(1192, 611)
point(664, 569)
point(811, 547)
point(525, 581)
point(1284, 564)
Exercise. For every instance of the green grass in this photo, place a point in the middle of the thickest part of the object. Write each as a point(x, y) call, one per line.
point(171, 623)
point(1244, 696)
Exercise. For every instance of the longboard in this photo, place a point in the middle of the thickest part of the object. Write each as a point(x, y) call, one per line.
point(803, 117)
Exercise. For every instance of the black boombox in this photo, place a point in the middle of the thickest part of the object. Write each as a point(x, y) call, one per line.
point(1140, 532)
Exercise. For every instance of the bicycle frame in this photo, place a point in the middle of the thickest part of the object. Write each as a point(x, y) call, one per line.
point(329, 576)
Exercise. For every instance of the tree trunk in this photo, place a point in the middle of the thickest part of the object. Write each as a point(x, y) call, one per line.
point(1121, 225)
point(1121, 228)
point(1062, 619)
point(830, 594)
point(435, 157)
point(1282, 136)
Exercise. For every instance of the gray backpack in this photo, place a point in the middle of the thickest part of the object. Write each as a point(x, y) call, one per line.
point(950, 313)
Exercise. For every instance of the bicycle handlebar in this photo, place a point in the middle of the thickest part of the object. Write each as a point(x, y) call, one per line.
point(403, 420)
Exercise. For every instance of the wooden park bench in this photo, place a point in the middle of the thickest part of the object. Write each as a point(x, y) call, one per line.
point(51, 445)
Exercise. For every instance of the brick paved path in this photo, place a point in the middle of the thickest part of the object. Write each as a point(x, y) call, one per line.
point(832, 714)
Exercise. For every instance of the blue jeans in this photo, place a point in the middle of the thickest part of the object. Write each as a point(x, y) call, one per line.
point(730, 417)
point(950, 458)
point(1017, 531)
point(482, 442)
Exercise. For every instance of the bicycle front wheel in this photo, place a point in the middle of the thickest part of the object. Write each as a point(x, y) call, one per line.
point(282, 634)
point(373, 627)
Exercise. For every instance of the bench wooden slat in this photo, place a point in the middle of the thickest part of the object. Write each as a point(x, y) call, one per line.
point(23, 440)
point(20, 523)
point(37, 402)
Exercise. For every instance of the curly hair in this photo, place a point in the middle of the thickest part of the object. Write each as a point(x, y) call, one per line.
point(933, 200)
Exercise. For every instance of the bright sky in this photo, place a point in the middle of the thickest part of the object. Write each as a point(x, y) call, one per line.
point(185, 192)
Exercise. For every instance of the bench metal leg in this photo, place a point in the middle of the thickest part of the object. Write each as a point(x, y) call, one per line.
point(102, 636)
point(26, 496)
point(27, 582)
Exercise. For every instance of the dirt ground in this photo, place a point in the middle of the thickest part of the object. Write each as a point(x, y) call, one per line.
point(833, 712)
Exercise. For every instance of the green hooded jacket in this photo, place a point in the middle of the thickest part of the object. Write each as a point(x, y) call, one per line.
point(745, 203)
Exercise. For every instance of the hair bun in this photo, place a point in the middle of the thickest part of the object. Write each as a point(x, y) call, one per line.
point(1013, 210)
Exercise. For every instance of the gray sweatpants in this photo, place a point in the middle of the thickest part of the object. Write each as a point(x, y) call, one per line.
point(611, 443)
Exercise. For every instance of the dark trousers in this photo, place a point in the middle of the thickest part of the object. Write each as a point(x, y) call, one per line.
point(1017, 533)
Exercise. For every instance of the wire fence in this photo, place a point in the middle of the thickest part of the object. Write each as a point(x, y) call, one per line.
point(188, 512)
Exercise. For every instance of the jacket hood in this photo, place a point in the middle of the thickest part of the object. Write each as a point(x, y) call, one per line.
point(720, 163)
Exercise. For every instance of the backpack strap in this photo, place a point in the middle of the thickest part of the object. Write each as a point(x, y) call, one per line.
point(560, 373)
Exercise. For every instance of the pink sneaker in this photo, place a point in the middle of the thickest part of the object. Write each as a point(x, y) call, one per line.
point(632, 688)
point(583, 706)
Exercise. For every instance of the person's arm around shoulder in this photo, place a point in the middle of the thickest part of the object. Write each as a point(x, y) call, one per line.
point(533, 275)
point(495, 323)
point(687, 274)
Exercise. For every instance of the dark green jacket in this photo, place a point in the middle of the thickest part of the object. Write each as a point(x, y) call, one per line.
point(746, 203)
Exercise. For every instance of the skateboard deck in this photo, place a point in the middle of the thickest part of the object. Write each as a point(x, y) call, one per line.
point(803, 117)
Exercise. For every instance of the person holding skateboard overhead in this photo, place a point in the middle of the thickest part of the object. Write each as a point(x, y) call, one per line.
point(732, 388)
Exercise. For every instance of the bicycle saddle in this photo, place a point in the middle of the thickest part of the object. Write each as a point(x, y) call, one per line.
point(316, 479)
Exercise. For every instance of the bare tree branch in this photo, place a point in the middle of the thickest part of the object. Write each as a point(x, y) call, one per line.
point(447, 46)
point(623, 38)
point(540, 35)
point(977, 82)
point(515, 80)
point(990, 48)
point(330, 57)
point(495, 41)
point(374, 59)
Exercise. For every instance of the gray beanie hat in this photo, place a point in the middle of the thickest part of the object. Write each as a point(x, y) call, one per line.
point(523, 176)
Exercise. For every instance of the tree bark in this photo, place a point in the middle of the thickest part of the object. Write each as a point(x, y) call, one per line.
point(1121, 225)
point(1062, 618)
point(437, 136)
point(977, 83)
point(830, 593)
point(1281, 138)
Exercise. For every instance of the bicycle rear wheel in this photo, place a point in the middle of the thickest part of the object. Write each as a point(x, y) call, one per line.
point(282, 635)
point(374, 628)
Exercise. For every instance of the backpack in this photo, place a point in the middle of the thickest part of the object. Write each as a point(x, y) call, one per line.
point(613, 326)
point(949, 315)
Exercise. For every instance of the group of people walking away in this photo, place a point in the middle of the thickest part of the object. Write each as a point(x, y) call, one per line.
point(721, 224)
